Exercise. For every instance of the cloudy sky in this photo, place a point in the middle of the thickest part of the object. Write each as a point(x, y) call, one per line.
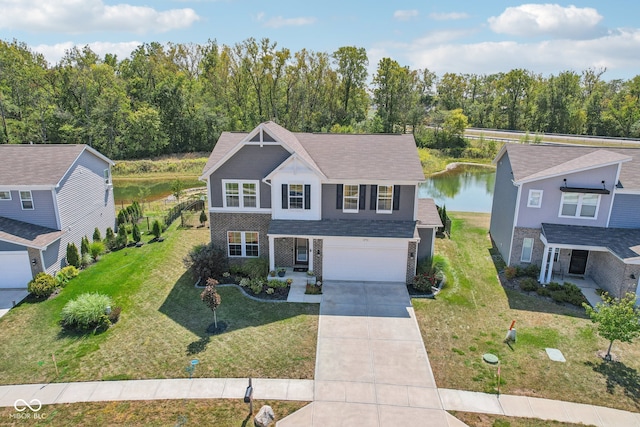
point(464, 36)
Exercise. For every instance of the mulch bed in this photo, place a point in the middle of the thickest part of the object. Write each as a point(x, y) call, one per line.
point(415, 293)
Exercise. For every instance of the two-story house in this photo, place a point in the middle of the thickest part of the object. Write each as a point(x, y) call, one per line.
point(344, 206)
point(50, 195)
point(572, 210)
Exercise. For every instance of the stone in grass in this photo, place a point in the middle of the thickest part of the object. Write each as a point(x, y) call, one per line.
point(222, 326)
point(555, 355)
point(264, 417)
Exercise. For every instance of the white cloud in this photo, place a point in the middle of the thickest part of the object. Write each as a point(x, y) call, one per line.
point(617, 51)
point(84, 16)
point(530, 20)
point(405, 15)
point(451, 16)
point(279, 21)
point(53, 53)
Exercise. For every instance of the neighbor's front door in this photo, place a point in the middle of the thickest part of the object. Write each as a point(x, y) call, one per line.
point(578, 263)
point(302, 251)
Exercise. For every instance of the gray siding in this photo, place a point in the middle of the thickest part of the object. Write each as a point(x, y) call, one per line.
point(505, 195)
point(625, 211)
point(43, 212)
point(252, 162)
point(10, 247)
point(424, 247)
point(405, 213)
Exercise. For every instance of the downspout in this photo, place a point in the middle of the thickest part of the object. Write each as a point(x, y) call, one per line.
point(515, 221)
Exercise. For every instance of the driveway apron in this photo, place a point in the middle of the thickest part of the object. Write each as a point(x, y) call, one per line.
point(371, 364)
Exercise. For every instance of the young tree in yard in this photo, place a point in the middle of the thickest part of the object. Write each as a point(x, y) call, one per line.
point(136, 233)
point(73, 258)
point(211, 297)
point(177, 189)
point(96, 235)
point(617, 319)
point(203, 218)
point(156, 229)
point(84, 246)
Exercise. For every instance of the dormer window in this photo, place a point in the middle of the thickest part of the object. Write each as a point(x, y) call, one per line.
point(240, 194)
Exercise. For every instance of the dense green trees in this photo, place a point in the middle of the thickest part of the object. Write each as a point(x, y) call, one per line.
point(180, 97)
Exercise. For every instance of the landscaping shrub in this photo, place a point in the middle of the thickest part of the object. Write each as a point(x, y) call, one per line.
point(244, 282)
point(256, 268)
point(42, 285)
point(73, 257)
point(114, 316)
point(274, 283)
point(110, 239)
point(96, 235)
point(529, 284)
point(156, 229)
point(554, 286)
point(64, 275)
point(87, 312)
point(136, 233)
point(206, 261)
point(84, 246)
point(256, 285)
point(122, 239)
point(509, 273)
point(430, 272)
point(96, 249)
point(86, 260)
point(544, 292)
point(532, 270)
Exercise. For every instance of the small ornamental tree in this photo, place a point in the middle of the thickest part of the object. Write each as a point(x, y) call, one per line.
point(122, 239)
point(122, 217)
point(110, 239)
point(203, 218)
point(73, 257)
point(84, 246)
point(156, 229)
point(136, 233)
point(96, 249)
point(177, 189)
point(96, 235)
point(617, 319)
point(211, 297)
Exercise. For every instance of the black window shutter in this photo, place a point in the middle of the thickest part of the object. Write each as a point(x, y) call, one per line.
point(396, 197)
point(363, 197)
point(374, 198)
point(307, 196)
point(339, 196)
point(285, 196)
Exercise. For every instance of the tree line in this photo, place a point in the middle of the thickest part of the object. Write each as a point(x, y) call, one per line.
point(179, 97)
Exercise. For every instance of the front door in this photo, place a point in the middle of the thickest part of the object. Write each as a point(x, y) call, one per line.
point(578, 263)
point(302, 251)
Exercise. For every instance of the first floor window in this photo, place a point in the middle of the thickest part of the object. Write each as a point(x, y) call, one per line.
point(580, 205)
point(243, 243)
point(351, 198)
point(27, 200)
point(5, 195)
point(385, 199)
point(527, 249)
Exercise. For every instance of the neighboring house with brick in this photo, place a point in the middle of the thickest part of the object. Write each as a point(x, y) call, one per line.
point(344, 206)
point(50, 195)
point(571, 210)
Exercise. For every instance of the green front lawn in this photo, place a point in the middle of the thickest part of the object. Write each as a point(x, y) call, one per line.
point(161, 328)
point(472, 314)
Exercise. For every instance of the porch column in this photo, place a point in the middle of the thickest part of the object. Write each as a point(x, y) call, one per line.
point(543, 266)
point(272, 254)
point(551, 253)
point(310, 254)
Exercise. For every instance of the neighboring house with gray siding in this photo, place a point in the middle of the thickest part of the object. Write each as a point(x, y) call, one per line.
point(50, 195)
point(343, 206)
point(571, 210)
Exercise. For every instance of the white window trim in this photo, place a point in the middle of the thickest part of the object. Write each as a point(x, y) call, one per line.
point(345, 198)
point(384, 211)
point(8, 192)
point(529, 204)
point(522, 258)
point(579, 207)
point(243, 244)
point(106, 174)
point(240, 183)
point(289, 196)
point(30, 199)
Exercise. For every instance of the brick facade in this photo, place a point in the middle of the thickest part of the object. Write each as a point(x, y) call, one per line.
point(412, 257)
point(37, 267)
point(317, 257)
point(220, 223)
point(284, 248)
point(519, 234)
point(611, 274)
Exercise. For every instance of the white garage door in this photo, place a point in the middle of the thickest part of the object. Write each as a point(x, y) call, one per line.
point(379, 260)
point(15, 270)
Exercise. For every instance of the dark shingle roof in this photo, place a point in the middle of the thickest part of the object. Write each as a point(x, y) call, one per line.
point(343, 227)
point(539, 160)
point(623, 242)
point(389, 157)
point(25, 234)
point(37, 164)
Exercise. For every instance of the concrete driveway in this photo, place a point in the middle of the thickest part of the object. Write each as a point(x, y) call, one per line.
point(371, 365)
point(9, 297)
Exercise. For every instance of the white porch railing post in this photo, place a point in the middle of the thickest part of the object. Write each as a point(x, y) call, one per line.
point(272, 254)
point(552, 251)
point(543, 266)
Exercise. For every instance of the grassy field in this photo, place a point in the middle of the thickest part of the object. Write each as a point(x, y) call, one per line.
point(473, 419)
point(161, 328)
point(471, 315)
point(219, 413)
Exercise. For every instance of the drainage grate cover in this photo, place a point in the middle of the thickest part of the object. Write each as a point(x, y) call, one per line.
point(555, 355)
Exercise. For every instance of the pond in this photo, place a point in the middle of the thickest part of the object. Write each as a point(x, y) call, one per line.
point(127, 189)
point(464, 188)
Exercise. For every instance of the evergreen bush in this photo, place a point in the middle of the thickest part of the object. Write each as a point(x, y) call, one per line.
point(42, 285)
point(73, 257)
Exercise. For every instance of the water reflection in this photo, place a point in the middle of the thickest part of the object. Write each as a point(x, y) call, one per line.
point(465, 189)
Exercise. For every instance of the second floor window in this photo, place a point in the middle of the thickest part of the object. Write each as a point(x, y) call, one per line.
point(535, 199)
point(239, 194)
point(385, 199)
point(27, 200)
point(296, 196)
point(5, 195)
point(351, 198)
point(579, 205)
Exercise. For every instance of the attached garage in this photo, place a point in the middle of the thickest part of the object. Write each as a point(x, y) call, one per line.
point(15, 269)
point(365, 259)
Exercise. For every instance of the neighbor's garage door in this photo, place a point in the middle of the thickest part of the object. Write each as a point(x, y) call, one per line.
point(15, 270)
point(380, 260)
